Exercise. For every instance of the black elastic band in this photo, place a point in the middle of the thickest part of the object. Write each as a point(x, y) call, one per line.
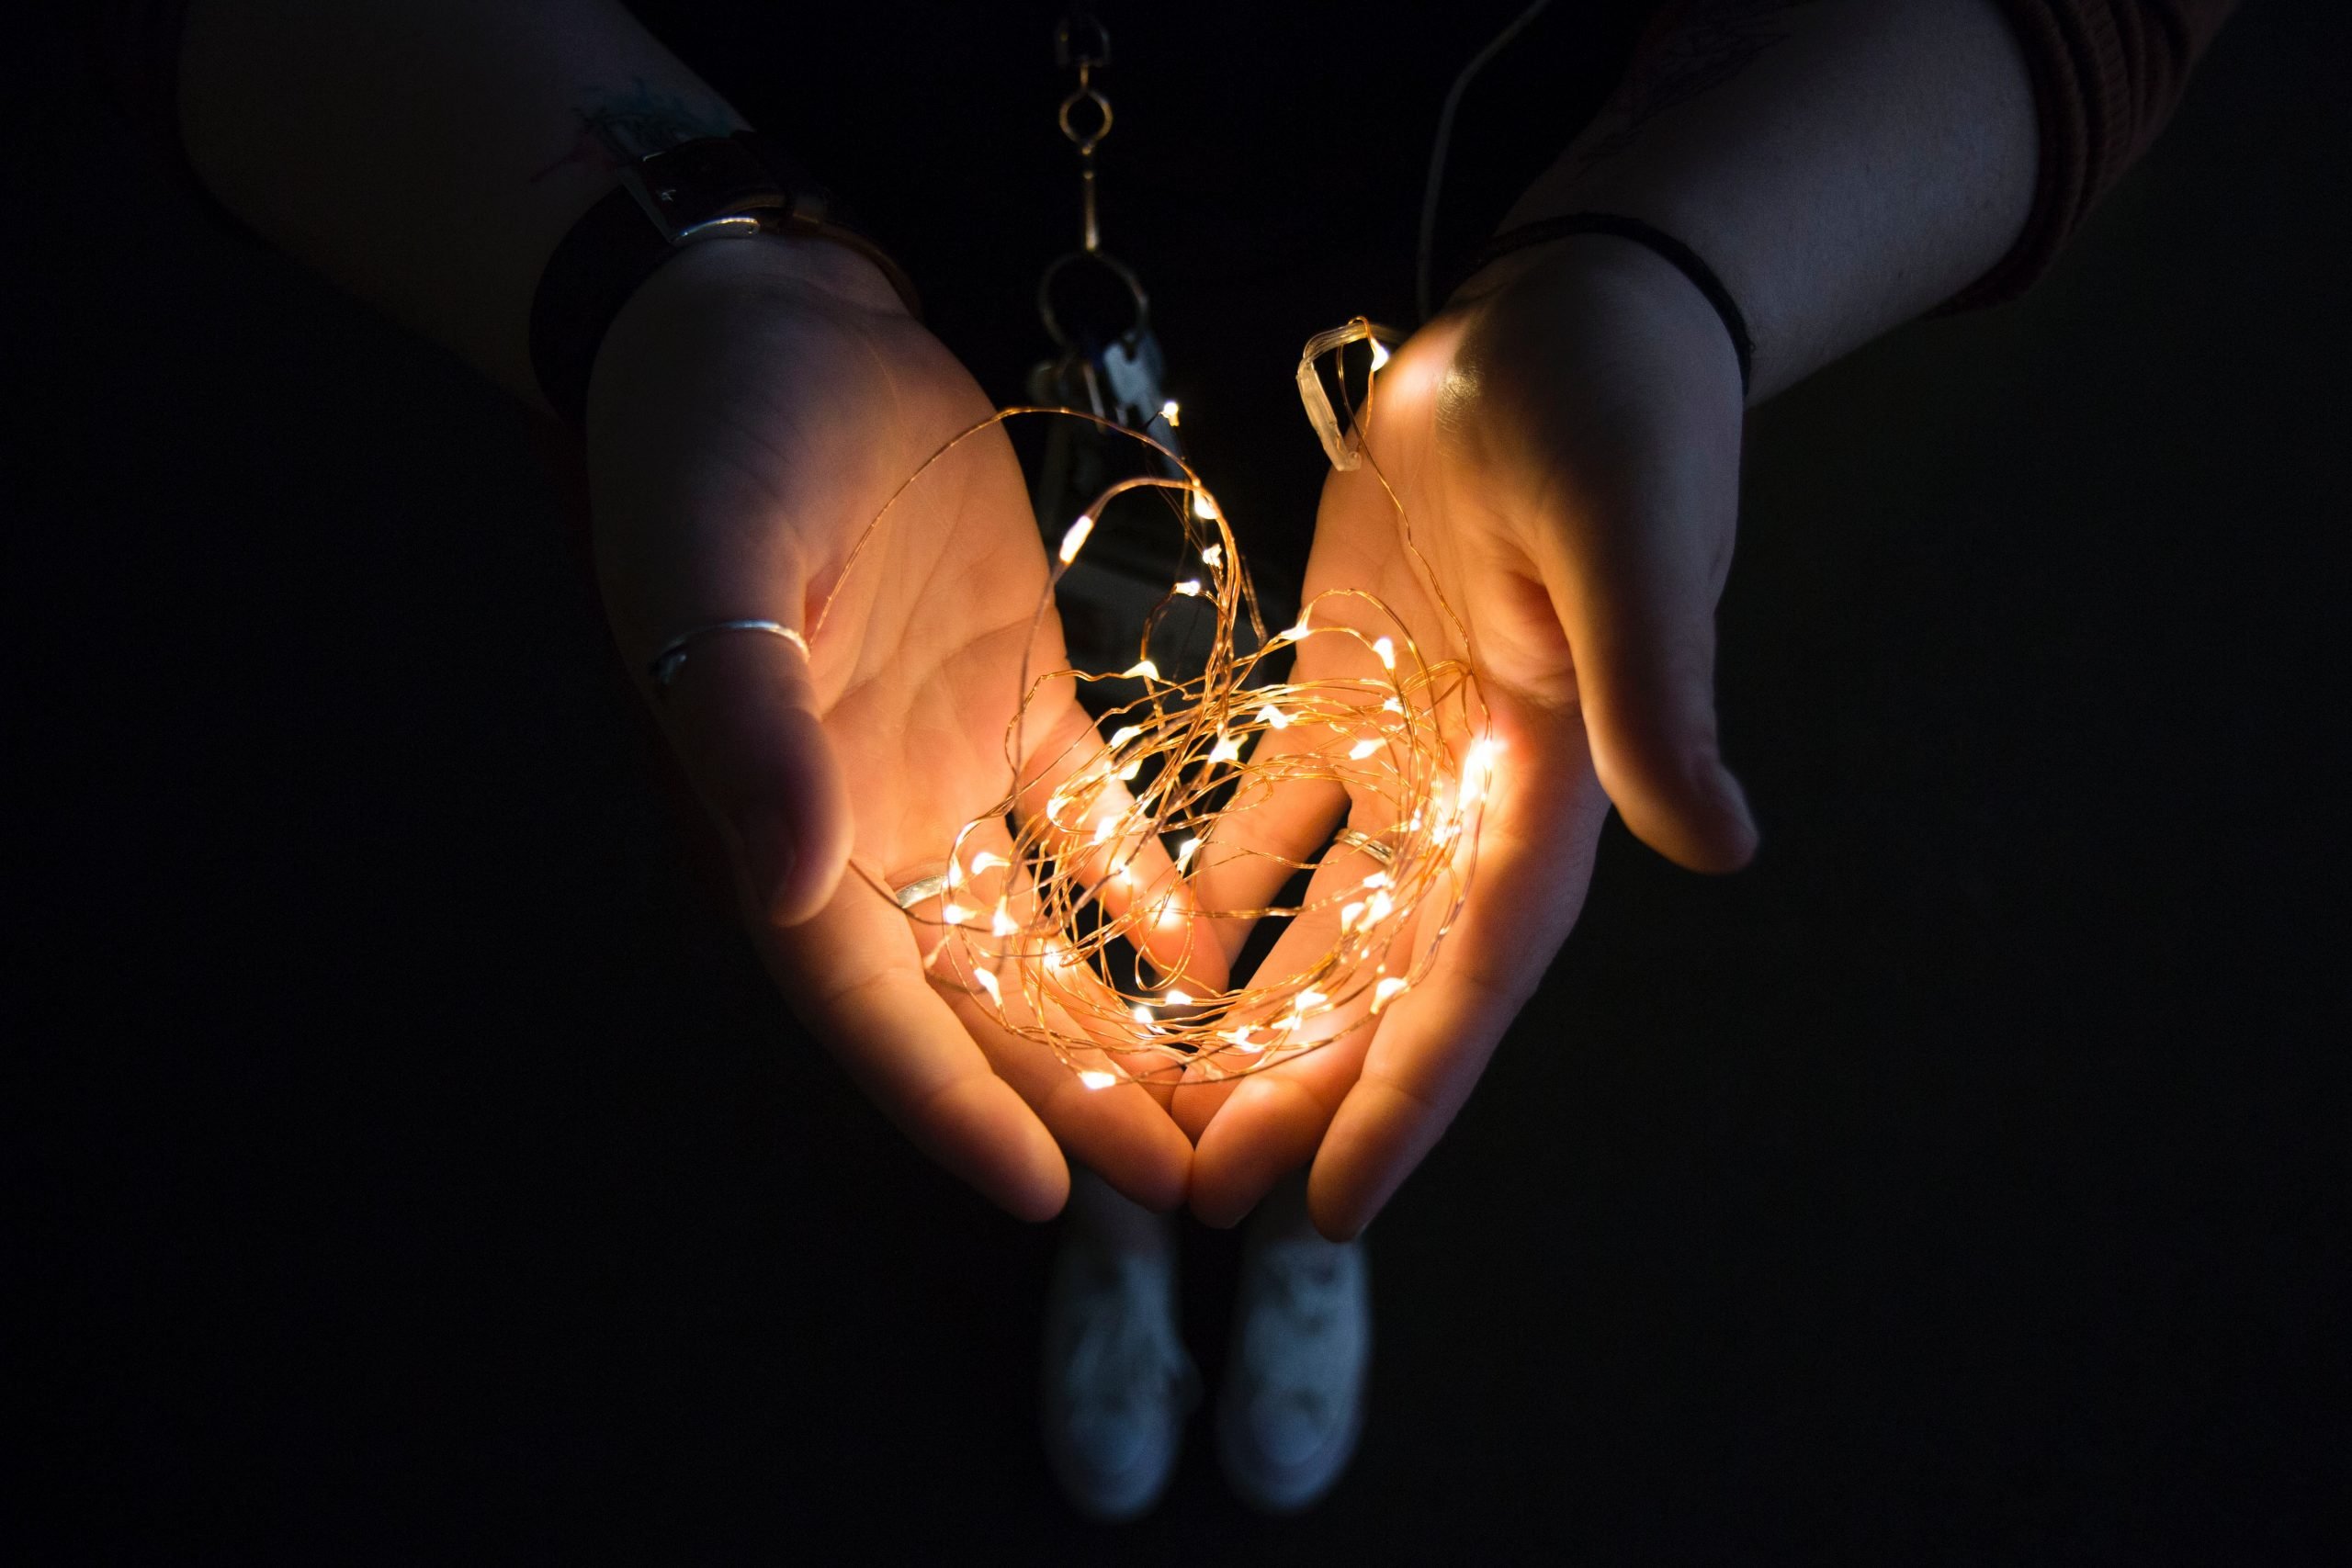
point(1686, 261)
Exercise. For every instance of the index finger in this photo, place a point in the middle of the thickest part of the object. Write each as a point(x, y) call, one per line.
point(853, 972)
point(1535, 853)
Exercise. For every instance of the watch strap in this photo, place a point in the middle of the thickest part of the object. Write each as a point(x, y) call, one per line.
point(712, 187)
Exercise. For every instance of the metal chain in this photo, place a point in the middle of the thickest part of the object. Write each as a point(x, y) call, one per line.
point(1083, 43)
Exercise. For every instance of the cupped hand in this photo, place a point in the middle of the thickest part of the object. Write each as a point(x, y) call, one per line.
point(753, 408)
point(1564, 440)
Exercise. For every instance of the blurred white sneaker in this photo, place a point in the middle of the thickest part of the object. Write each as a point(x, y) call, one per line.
point(1293, 1398)
point(1118, 1383)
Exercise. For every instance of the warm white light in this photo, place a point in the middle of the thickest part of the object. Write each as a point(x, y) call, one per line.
point(989, 984)
point(1144, 668)
point(1176, 999)
point(1125, 733)
point(1226, 750)
point(1004, 924)
point(1379, 353)
point(1363, 749)
point(987, 859)
point(1076, 538)
point(1142, 1014)
point(1203, 507)
point(1212, 555)
point(955, 914)
point(1276, 718)
point(1094, 1078)
point(1186, 851)
point(1380, 905)
point(1386, 648)
point(1387, 991)
point(1190, 588)
point(1348, 916)
point(1168, 411)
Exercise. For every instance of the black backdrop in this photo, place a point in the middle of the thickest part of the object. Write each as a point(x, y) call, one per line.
point(416, 1166)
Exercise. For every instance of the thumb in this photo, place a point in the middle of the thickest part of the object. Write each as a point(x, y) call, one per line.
point(741, 709)
point(1638, 605)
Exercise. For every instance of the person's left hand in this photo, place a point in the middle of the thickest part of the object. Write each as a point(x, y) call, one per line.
point(1566, 445)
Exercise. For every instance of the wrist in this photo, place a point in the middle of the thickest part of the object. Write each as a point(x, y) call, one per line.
point(1548, 285)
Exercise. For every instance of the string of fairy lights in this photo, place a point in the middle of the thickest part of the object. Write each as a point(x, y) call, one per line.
point(1082, 910)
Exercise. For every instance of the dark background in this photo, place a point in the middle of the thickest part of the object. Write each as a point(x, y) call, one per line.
point(417, 1166)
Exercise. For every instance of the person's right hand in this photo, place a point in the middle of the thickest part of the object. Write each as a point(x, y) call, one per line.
point(753, 406)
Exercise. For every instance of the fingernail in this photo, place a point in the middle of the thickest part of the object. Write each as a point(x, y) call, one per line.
point(769, 856)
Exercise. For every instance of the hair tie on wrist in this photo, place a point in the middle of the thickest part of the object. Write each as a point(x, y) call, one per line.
point(1661, 244)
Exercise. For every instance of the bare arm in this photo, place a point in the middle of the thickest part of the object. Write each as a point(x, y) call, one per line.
point(1843, 166)
point(428, 154)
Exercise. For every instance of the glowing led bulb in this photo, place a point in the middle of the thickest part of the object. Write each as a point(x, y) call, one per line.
point(1094, 1078)
point(1143, 667)
point(1311, 1000)
point(1176, 999)
point(1387, 991)
point(1004, 924)
point(1479, 768)
point(1130, 770)
point(987, 859)
point(1379, 905)
point(1350, 916)
point(955, 914)
point(1168, 411)
point(1363, 749)
point(1392, 705)
point(1276, 718)
point(1379, 353)
point(1190, 588)
point(1104, 828)
point(1186, 851)
point(1141, 1014)
point(1226, 750)
point(989, 984)
point(1123, 734)
point(1076, 538)
point(1385, 648)
point(1203, 507)
point(1240, 1038)
point(1212, 556)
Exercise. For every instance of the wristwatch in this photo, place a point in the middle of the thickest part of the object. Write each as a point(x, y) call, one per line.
point(712, 187)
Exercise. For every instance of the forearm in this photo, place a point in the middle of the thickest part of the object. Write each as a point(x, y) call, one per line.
point(1843, 166)
point(428, 154)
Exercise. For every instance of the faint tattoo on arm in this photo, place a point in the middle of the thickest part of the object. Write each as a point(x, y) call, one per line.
point(618, 127)
point(1711, 42)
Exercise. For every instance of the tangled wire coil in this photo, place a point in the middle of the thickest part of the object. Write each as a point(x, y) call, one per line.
point(1054, 912)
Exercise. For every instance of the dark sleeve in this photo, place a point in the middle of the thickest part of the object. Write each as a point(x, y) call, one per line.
point(2106, 77)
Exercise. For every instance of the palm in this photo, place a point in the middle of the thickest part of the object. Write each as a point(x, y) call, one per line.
point(1375, 1099)
point(789, 424)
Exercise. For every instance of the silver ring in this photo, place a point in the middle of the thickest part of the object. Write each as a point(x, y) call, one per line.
point(920, 889)
point(665, 665)
point(1367, 843)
